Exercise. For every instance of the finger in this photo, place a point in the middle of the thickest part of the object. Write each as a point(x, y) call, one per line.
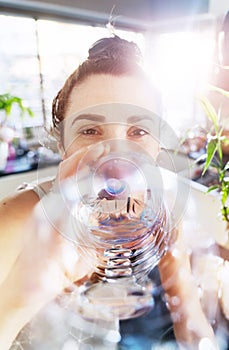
point(82, 160)
point(69, 165)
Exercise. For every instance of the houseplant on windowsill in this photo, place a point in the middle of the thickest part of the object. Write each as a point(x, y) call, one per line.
point(210, 263)
point(7, 101)
point(217, 147)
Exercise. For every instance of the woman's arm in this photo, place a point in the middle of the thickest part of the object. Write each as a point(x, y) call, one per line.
point(14, 212)
point(45, 266)
point(36, 262)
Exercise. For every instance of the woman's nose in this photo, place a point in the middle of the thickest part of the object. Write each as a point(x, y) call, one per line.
point(116, 131)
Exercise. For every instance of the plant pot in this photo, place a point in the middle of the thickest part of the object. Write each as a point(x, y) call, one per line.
point(4, 149)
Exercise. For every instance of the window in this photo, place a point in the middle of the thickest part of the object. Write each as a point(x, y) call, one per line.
point(181, 64)
point(38, 55)
point(19, 67)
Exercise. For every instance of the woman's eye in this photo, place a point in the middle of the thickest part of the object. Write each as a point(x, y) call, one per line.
point(138, 132)
point(89, 131)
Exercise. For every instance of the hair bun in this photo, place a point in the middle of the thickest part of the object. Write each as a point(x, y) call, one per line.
point(114, 48)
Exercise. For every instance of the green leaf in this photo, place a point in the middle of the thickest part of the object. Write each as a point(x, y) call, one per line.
point(30, 112)
point(221, 175)
point(225, 214)
point(224, 197)
point(221, 91)
point(7, 101)
point(210, 111)
point(212, 188)
point(8, 109)
point(211, 149)
point(220, 152)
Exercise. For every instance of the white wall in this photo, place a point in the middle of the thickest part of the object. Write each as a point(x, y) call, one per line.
point(218, 8)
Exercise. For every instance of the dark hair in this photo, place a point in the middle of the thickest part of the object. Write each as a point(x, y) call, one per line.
point(111, 55)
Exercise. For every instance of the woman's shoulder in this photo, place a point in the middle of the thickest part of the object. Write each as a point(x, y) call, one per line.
point(25, 198)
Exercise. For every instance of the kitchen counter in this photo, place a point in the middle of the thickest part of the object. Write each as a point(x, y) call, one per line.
point(32, 160)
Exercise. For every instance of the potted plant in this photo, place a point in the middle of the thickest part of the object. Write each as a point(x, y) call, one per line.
point(6, 103)
point(217, 146)
point(7, 133)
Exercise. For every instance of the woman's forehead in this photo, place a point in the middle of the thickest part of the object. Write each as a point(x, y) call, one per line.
point(113, 113)
point(102, 89)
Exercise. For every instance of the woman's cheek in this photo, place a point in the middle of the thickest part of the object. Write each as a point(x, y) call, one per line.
point(151, 146)
point(73, 146)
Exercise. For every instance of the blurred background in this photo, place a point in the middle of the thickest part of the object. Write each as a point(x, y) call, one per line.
point(184, 42)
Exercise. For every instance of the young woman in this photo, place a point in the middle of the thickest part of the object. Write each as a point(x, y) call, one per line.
point(33, 265)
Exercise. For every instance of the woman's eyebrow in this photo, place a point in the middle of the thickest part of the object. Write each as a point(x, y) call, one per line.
point(101, 118)
point(138, 118)
point(93, 117)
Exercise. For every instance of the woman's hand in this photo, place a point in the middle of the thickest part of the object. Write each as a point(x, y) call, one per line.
point(79, 160)
point(191, 327)
point(46, 265)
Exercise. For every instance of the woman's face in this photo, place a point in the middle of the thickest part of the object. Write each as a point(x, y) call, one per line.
point(105, 107)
